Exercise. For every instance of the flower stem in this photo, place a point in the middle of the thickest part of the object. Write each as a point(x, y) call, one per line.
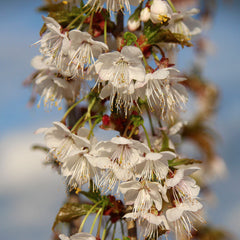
point(71, 108)
point(85, 117)
point(105, 229)
point(74, 20)
point(155, 56)
point(114, 231)
point(99, 225)
point(84, 18)
point(95, 219)
point(126, 128)
point(150, 120)
point(91, 131)
point(90, 30)
point(122, 229)
point(105, 31)
point(78, 123)
point(132, 132)
point(148, 140)
point(171, 5)
point(87, 215)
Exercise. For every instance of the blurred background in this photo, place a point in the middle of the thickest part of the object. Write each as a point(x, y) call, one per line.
point(31, 193)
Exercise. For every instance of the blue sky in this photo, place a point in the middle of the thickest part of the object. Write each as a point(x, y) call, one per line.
point(31, 194)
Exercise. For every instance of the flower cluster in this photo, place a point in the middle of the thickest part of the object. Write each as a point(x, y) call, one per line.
point(144, 168)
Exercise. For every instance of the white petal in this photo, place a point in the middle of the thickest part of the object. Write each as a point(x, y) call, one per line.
point(128, 186)
point(63, 237)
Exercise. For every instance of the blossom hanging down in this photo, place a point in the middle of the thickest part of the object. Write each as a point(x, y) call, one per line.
point(123, 154)
point(164, 92)
point(61, 141)
point(51, 85)
point(124, 73)
point(154, 165)
point(160, 11)
point(150, 223)
point(113, 5)
point(183, 187)
point(80, 166)
point(182, 217)
point(181, 23)
point(83, 51)
point(54, 42)
point(142, 195)
point(78, 236)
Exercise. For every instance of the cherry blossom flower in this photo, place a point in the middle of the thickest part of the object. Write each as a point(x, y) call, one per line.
point(80, 166)
point(83, 51)
point(181, 23)
point(182, 217)
point(160, 11)
point(118, 157)
point(154, 165)
point(173, 133)
point(184, 23)
point(124, 72)
point(113, 5)
point(61, 141)
point(150, 223)
point(142, 195)
point(78, 236)
point(133, 24)
point(164, 92)
point(53, 86)
point(183, 186)
point(145, 14)
point(54, 43)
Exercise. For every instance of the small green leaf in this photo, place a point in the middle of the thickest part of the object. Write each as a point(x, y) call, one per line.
point(70, 211)
point(165, 142)
point(129, 38)
point(137, 120)
point(168, 37)
point(94, 196)
point(136, 14)
point(182, 161)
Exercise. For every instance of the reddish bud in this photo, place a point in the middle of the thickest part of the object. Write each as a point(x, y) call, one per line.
point(106, 120)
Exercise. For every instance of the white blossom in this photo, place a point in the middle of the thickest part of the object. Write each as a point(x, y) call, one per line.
point(173, 133)
point(164, 92)
point(61, 141)
point(150, 223)
point(145, 14)
point(133, 24)
point(80, 166)
point(118, 157)
point(78, 236)
point(142, 195)
point(51, 85)
point(54, 43)
point(182, 217)
point(83, 51)
point(181, 23)
point(154, 165)
point(124, 73)
point(160, 11)
point(113, 5)
point(184, 23)
point(183, 186)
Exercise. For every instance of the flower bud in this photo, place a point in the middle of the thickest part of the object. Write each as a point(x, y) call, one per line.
point(160, 11)
point(133, 25)
point(106, 120)
point(145, 14)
